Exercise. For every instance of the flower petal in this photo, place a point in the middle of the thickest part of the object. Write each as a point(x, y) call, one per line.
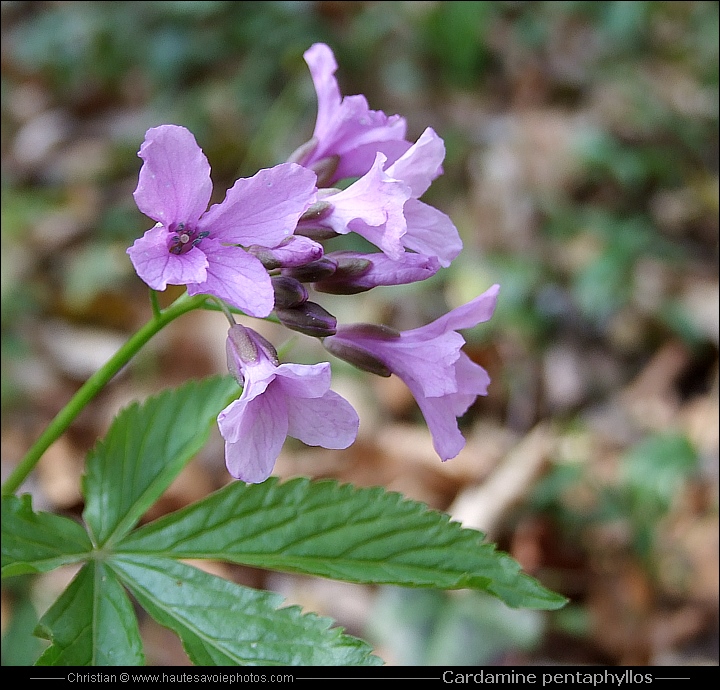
point(260, 427)
point(441, 413)
point(304, 380)
point(346, 127)
point(431, 232)
point(471, 377)
point(157, 266)
point(442, 423)
point(262, 209)
point(237, 277)
point(431, 363)
point(329, 421)
point(354, 125)
point(174, 183)
point(372, 207)
point(322, 65)
point(357, 157)
point(421, 163)
point(468, 315)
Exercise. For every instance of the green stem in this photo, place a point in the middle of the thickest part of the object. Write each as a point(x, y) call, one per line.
point(155, 304)
point(225, 309)
point(95, 384)
point(211, 306)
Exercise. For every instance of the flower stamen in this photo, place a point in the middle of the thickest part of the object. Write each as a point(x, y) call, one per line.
point(184, 240)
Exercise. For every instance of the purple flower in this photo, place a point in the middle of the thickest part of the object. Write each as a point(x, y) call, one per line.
point(371, 207)
point(190, 245)
point(383, 206)
point(442, 378)
point(346, 128)
point(278, 400)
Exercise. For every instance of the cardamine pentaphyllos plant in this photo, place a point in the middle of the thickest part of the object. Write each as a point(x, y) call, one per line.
point(255, 254)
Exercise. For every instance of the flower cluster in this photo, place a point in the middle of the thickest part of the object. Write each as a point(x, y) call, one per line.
point(262, 246)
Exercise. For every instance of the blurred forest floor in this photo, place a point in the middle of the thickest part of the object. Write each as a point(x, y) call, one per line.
point(582, 174)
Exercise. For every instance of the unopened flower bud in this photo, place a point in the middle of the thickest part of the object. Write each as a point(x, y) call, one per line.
point(343, 281)
point(313, 271)
point(266, 256)
point(358, 271)
point(318, 211)
point(308, 318)
point(303, 151)
point(325, 169)
point(266, 346)
point(243, 346)
point(358, 356)
point(310, 225)
point(375, 331)
point(314, 233)
point(288, 292)
point(292, 251)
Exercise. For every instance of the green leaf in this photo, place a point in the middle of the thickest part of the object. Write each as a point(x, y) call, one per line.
point(654, 471)
point(340, 532)
point(421, 627)
point(145, 449)
point(19, 646)
point(604, 286)
point(92, 623)
point(653, 474)
point(38, 542)
point(221, 623)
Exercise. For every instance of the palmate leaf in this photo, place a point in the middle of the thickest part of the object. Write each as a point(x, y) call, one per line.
point(38, 542)
point(92, 623)
point(341, 532)
point(221, 623)
point(144, 450)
